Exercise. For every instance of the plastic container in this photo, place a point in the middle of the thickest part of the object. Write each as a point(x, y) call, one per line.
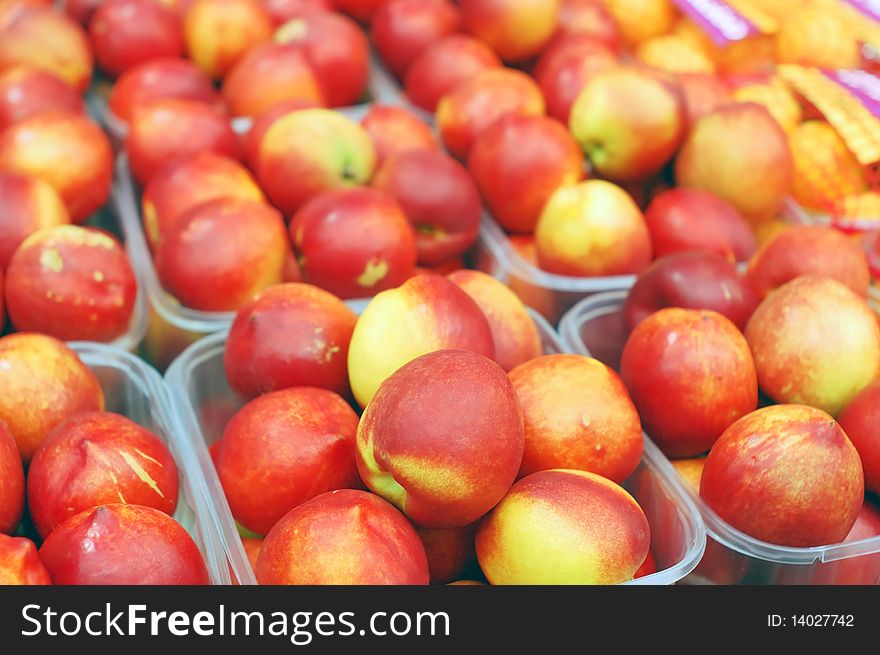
point(134, 389)
point(549, 294)
point(595, 327)
point(205, 403)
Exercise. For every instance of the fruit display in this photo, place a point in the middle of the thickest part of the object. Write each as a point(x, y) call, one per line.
point(813, 424)
point(346, 232)
point(108, 498)
point(394, 488)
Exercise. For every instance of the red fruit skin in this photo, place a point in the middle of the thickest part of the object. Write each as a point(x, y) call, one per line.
point(648, 567)
point(748, 477)
point(702, 93)
point(337, 51)
point(566, 66)
point(289, 335)
point(701, 378)
point(34, 34)
point(691, 280)
point(252, 549)
point(38, 371)
point(438, 197)
point(477, 104)
point(810, 250)
point(692, 219)
point(444, 65)
point(394, 130)
point(283, 449)
point(282, 11)
point(402, 29)
point(169, 129)
point(416, 443)
point(354, 242)
point(588, 18)
point(450, 551)
point(20, 563)
point(860, 420)
point(2, 302)
point(27, 204)
point(81, 10)
point(514, 332)
point(578, 415)
point(221, 253)
point(94, 459)
point(26, 92)
point(854, 570)
point(43, 145)
point(360, 10)
point(11, 483)
point(122, 545)
point(345, 537)
point(72, 283)
point(264, 120)
point(188, 182)
point(125, 33)
point(518, 163)
point(158, 79)
point(267, 75)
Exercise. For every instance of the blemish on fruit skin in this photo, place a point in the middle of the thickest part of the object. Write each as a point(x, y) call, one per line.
point(329, 353)
point(140, 472)
point(50, 259)
point(374, 272)
point(147, 457)
point(98, 276)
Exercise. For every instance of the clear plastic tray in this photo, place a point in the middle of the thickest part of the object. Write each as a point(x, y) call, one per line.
point(550, 294)
point(204, 404)
point(595, 327)
point(134, 389)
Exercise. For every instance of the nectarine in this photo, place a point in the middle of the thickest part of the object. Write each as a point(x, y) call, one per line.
point(418, 435)
point(96, 458)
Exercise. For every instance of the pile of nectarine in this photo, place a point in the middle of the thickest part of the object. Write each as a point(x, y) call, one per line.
point(101, 489)
point(291, 155)
point(474, 455)
point(796, 324)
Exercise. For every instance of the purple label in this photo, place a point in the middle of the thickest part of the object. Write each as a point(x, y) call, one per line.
point(719, 20)
point(870, 8)
point(863, 85)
